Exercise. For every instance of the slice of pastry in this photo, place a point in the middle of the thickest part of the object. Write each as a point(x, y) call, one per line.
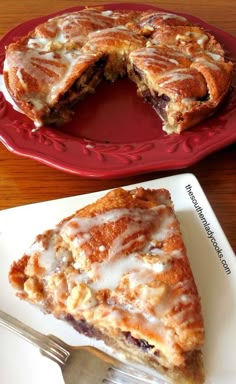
point(182, 88)
point(117, 270)
point(46, 82)
point(116, 44)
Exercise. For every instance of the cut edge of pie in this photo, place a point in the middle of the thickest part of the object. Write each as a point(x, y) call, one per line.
point(117, 270)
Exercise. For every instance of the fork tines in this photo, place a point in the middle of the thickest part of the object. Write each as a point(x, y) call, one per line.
point(129, 375)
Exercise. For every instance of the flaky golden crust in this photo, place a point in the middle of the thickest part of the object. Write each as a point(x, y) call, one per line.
point(117, 269)
point(65, 58)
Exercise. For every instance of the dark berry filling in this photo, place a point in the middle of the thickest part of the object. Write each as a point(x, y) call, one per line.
point(141, 343)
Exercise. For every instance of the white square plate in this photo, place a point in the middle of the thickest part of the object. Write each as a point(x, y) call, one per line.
point(212, 259)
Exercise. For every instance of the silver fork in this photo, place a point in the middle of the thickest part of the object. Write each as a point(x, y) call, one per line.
point(80, 365)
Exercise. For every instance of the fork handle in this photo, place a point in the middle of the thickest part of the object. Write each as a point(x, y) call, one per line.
point(21, 329)
point(48, 346)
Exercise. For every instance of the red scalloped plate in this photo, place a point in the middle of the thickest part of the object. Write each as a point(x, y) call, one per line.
point(113, 132)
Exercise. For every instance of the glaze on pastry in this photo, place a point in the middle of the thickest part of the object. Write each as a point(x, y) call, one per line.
point(117, 270)
point(179, 68)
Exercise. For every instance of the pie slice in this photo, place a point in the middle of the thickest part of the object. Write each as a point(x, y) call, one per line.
point(182, 88)
point(117, 270)
point(50, 82)
point(116, 44)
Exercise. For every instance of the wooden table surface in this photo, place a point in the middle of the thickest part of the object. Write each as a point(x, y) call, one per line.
point(24, 181)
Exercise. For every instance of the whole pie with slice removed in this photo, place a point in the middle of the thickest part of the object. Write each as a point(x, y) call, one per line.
point(117, 270)
point(178, 67)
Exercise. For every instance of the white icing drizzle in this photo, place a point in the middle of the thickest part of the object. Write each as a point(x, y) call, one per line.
point(37, 124)
point(114, 34)
point(162, 16)
point(155, 251)
point(86, 17)
point(104, 279)
point(207, 63)
point(199, 37)
point(201, 40)
point(84, 238)
point(131, 266)
point(107, 13)
point(176, 254)
point(151, 57)
point(173, 77)
point(214, 56)
point(165, 229)
point(46, 258)
point(85, 224)
point(142, 276)
point(38, 42)
point(77, 265)
point(119, 246)
point(155, 53)
point(167, 16)
point(158, 59)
